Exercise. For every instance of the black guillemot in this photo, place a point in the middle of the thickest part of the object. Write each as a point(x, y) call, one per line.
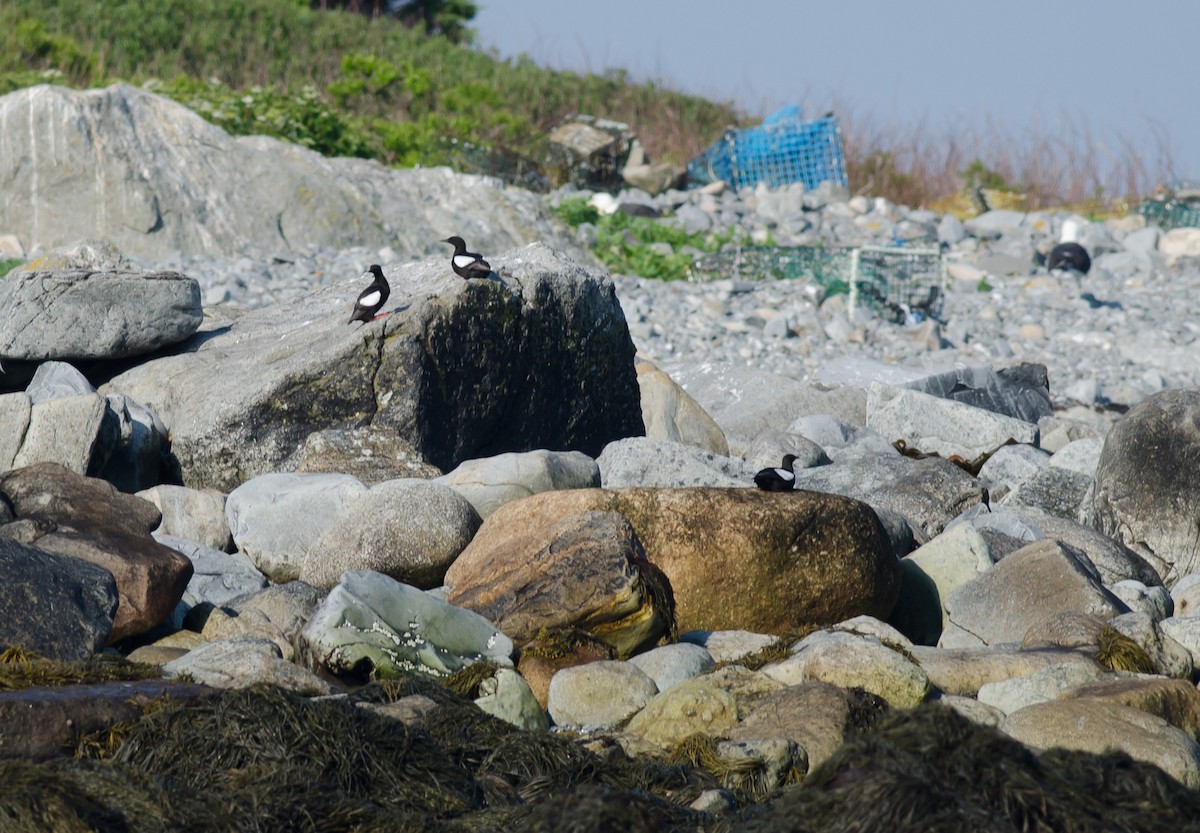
point(778, 480)
point(372, 298)
point(1068, 255)
point(467, 264)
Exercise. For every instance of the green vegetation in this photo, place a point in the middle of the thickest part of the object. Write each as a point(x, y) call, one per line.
point(8, 264)
point(339, 82)
point(623, 242)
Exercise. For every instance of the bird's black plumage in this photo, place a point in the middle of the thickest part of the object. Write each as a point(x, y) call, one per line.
point(466, 264)
point(372, 298)
point(1069, 256)
point(778, 480)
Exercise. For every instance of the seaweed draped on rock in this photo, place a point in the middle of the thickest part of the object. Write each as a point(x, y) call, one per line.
point(541, 358)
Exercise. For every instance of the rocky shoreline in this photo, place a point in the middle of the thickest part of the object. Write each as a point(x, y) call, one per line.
point(496, 561)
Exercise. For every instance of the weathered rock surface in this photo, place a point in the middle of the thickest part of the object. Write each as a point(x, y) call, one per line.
point(87, 518)
point(277, 519)
point(372, 454)
point(411, 530)
point(1024, 588)
point(673, 663)
point(461, 369)
point(54, 605)
point(491, 482)
point(933, 425)
point(963, 671)
point(1145, 493)
point(711, 704)
point(81, 314)
point(370, 623)
point(927, 493)
point(242, 662)
point(816, 715)
point(1098, 726)
point(218, 577)
point(1020, 390)
point(670, 414)
point(599, 694)
point(585, 571)
point(852, 661)
point(643, 461)
point(1175, 701)
point(1112, 559)
point(741, 558)
point(191, 188)
point(60, 418)
point(195, 514)
point(745, 402)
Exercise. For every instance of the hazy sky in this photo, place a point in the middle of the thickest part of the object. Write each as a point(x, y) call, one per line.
point(1119, 69)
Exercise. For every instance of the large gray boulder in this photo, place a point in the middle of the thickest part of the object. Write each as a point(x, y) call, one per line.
point(142, 171)
point(491, 482)
point(411, 530)
point(540, 358)
point(745, 401)
point(1146, 490)
point(88, 314)
point(933, 425)
point(277, 519)
point(642, 461)
point(1023, 589)
point(927, 493)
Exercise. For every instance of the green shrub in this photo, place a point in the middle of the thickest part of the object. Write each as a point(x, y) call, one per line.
point(303, 118)
point(623, 241)
point(8, 264)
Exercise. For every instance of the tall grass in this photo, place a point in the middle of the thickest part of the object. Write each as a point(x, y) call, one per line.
point(1048, 164)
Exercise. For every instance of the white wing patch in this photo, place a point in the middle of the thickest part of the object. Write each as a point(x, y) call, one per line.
point(785, 474)
point(370, 299)
point(463, 261)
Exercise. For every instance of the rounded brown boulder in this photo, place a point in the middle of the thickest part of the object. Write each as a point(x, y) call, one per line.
point(739, 558)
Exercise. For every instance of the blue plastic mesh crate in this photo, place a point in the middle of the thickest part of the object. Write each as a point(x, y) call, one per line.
point(782, 150)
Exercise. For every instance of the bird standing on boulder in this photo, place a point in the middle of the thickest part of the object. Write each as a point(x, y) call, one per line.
point(466, 264)
point(372, 298)
point(780, 479)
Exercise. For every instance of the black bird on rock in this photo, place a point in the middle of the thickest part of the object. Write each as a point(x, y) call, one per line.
point(466, 264)
point(778, 480)
point(372, 298)
point(1069, 256)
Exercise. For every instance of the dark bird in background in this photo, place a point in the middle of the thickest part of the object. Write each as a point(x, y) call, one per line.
point(466, 264)
point(778, 480)
point(372, 298)
point(1069, 256)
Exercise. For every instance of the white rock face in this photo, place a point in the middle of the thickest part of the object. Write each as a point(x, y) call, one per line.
point(145, 173)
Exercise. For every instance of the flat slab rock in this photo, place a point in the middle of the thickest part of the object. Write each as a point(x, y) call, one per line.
point(88, 314)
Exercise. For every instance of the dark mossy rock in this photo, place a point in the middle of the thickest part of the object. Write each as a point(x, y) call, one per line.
point(538, 358)
point(88, 519)
point(55, 605)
